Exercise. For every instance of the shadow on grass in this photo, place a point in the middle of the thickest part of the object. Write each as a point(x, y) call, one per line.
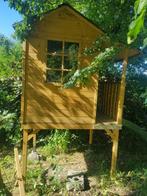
point(131, 164)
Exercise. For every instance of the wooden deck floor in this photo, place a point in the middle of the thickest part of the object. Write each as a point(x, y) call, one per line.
point(105, 122)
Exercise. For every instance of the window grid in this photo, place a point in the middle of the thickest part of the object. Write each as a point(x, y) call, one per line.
point(63, 55)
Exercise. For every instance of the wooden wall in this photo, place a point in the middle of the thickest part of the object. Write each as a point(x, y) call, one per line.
point(46, 105)
point(108, 98)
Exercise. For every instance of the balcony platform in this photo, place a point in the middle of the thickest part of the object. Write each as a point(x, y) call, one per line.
point(105, 122)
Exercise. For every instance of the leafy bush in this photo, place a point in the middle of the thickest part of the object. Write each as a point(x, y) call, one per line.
point(57, 142)
point(10, 89)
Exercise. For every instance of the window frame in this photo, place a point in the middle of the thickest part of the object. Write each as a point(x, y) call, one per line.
point(62, 55)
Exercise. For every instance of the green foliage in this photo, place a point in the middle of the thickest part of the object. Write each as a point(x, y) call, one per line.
point(135, 128)
point(57, 142)
point(98, 66)
point(137, 24)
point(32, 178)
point(112, 16)
point(135, 108)
point(102, 64)
point(10, 88)
point(6, 172)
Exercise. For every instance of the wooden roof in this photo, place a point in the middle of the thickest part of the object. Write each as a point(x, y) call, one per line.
point(131, 51)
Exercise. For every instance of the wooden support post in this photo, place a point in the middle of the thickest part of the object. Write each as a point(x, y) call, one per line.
point(122, 89)
point(24, 152)
point(115, 137)
point(19, 174)
point(90, 136)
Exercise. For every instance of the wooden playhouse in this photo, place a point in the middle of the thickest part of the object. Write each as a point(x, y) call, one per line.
point(55, 40)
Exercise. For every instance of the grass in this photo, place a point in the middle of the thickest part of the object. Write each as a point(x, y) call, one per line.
point(57, 142)
point(64, 149)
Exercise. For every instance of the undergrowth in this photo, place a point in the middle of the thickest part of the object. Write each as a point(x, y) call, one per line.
point(130, 178)
point(57, 142)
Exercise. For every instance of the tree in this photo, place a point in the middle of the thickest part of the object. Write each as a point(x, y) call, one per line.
point(113, 17)
point(137, 24)
point(10, 73)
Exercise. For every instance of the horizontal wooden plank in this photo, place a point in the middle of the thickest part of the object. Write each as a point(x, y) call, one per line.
point(56, 126)
point(59, 100)
point(35, 118)
point(107, 126)
point(47, 90)
point(60, 112)
point(68, 126)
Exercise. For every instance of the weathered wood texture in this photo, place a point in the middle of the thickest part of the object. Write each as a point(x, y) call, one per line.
point(108, 98)
point(24, 152)
point(46, 103)
point(19, 173)
point(122, 89)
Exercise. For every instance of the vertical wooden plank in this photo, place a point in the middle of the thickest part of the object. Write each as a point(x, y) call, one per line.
point(24, 152)
point(122, 89)
point(109, 98)
point(19, 174)
point(96, 100)
point(114, 137)
point(25, 81)
point(105, 97)
point(115, 100)
point(102, 97)
point(112, 100)
point(90, 136)
point(62, 66)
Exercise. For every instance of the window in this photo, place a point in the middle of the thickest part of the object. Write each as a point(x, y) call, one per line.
point(61, 58)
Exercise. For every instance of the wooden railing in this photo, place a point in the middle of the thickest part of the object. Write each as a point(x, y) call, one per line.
point(108, 98)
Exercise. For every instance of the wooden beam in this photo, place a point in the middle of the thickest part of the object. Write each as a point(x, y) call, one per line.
point(24, 152)
point(91, 136)
point(115, 137)
point(31, 135)
point(19, 174)
point(122, 89)
point(25, 82)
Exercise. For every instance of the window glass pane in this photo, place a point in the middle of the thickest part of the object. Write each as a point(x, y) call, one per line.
point(54, 46)
point(53, 76)
point(70, 61)
point(71, 48)
point(54, 62)
point(66, 76)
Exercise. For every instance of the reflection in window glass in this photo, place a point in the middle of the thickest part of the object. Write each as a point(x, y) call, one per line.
point(71, 48)
point(54, 46)
point(54, 62)
point(70, 62)
point(66, 75)
point(53, 76)
point(62, 57)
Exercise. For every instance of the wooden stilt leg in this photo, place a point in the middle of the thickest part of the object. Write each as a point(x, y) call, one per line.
point(24, 152)
point(115, 137)
point(34, 142)
point(90, 136)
